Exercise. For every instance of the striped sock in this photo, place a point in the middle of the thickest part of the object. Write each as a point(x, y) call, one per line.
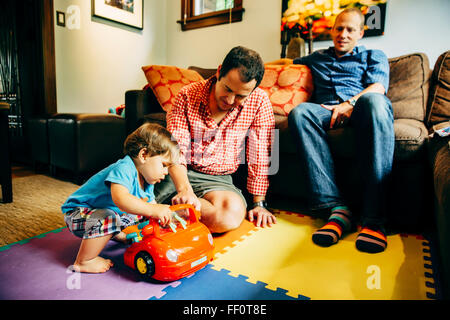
point(330, 233)
point(371, 240)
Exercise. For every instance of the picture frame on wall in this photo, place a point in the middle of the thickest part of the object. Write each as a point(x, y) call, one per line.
point(127, 12)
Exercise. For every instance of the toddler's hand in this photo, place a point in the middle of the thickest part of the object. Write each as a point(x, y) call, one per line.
point(163, 214)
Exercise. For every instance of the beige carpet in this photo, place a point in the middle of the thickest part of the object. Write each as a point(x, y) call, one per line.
point(36, 208)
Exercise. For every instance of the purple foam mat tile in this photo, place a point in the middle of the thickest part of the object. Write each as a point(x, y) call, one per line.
point(40, 269)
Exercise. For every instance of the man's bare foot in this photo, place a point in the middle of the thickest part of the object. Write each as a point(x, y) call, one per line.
point(96, 265)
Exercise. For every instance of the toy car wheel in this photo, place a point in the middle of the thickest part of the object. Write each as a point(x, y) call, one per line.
point(144, 265)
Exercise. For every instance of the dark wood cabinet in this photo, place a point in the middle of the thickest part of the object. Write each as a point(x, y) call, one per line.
point(5, 163)
point(27, 35)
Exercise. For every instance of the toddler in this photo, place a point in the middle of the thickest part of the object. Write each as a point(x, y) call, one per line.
point(120, 195)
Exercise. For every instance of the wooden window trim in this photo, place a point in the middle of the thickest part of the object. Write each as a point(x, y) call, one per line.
point(190, 21)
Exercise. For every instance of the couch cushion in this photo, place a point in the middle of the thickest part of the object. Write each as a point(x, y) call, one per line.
point(439, 106)
point(410, 138)
point(167, 81)
point(287, 86)
point(408, 85)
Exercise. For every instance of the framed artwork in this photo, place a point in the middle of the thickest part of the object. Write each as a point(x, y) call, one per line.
point(299, 16)
point(127, 12)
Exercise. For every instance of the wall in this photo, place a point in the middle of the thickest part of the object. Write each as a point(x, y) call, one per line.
point(411, 26)
point(97, 63)
point(206, 47)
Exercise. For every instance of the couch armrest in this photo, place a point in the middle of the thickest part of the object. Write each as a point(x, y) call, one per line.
point(138, 103)
point(439, 149)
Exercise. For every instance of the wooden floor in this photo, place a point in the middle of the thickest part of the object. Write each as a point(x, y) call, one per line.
point(20, 170)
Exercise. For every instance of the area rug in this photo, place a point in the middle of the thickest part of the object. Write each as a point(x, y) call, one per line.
point(36, 208)
point(278, 263)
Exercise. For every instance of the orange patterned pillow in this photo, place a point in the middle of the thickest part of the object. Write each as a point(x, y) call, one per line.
point(167, 81)
point(287, 86)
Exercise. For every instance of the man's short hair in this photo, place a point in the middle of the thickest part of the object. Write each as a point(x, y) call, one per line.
point(354, 10)
point(247, 61)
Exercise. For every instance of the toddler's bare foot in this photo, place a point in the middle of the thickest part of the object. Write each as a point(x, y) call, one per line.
point(96, 265)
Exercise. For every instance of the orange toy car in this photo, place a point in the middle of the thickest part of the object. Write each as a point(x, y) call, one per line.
point(171, 253)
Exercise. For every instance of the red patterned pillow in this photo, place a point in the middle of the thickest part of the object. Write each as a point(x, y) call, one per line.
point(287, 86)
point(166, 82)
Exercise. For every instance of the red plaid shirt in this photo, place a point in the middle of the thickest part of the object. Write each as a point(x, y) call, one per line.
point(218, 149)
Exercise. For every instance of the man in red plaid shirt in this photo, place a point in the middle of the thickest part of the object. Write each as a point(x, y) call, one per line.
point(220, 123)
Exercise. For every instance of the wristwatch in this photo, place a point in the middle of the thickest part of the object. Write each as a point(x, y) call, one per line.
point(261, 203)
point(352, 101)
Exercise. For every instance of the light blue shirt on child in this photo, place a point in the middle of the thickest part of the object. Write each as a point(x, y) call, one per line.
point(96, 192)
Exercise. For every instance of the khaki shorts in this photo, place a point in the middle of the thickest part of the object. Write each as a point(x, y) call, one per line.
point(201, 183)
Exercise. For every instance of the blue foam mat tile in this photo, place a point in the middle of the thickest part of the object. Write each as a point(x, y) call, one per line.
point(432, 264)
point(209, 284)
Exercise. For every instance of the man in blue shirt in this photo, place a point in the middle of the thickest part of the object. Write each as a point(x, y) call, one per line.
point(350, 84)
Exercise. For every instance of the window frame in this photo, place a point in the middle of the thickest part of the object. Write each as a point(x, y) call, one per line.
point(189, 21)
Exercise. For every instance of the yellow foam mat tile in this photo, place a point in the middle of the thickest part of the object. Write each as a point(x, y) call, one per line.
point(227, 240)
point(284, 256)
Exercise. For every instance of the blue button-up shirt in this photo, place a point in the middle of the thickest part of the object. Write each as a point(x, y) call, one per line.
point(339, 79)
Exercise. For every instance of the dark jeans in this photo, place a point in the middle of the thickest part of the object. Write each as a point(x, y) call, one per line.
point(372, 119)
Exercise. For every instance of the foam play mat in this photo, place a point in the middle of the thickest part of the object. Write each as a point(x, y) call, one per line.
point(278, 263)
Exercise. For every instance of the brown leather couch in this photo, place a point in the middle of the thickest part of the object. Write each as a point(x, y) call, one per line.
point(412, 182)
point(439, 152)
point(411, 195)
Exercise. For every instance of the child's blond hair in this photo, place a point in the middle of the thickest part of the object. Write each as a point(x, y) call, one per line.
point(156, 139)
